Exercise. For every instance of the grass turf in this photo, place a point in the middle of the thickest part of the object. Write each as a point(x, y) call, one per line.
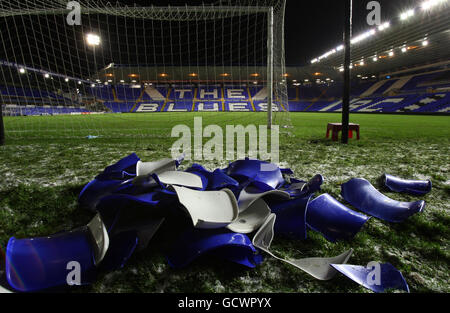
point(42, 177)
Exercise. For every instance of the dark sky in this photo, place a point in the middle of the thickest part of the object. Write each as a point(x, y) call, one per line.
point(314, 27)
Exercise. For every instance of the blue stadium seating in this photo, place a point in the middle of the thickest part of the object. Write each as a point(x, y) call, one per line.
point(103, 92)
point(125, 93)
point(22, 110)
point(412, 97)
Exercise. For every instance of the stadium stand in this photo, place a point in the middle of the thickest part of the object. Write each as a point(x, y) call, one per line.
point(418, 93)
point(20, 101)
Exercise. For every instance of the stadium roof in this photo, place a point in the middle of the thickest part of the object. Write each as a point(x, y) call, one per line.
point(419, 36)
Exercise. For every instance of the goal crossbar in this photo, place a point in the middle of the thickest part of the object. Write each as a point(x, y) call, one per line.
point(152, 12)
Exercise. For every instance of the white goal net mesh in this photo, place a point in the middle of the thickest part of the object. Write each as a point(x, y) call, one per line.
point(73, 69)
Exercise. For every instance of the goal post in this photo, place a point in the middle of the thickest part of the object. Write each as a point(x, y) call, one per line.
point(269, 66)
point(141, 59)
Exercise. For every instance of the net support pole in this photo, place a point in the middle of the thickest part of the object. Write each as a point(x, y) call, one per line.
point(347, 59)
point(269, 66)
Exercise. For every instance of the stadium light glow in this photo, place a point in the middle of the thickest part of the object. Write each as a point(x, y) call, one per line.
point(425, 43)
point(92, 39)
point(224, 74)
point(404, 49)
point(254, 75)
point(79, 82)
point(426, 5)
point(361, 63)
point(47, 75)
point(384, 26)
point(363, 36)
point(407, 14)
point(22, 70)
point(375, 59)
point(193, 75)
point(66, 80)
point(92, 85)
point(391, 53)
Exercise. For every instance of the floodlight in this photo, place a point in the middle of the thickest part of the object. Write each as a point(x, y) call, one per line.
point(384, 26)
point(93, 40)
point(407, 14)
point(426, 5)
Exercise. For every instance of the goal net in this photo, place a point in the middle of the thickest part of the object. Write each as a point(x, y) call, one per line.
point(91, 68)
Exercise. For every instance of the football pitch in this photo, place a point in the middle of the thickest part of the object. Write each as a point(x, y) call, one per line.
point(47, 160)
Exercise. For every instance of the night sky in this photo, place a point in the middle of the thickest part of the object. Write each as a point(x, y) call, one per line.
point(314, 27)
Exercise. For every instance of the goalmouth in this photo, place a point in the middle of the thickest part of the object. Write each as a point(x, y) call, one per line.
point(55, 68)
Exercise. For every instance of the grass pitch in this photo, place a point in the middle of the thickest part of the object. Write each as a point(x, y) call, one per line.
point(41, 179)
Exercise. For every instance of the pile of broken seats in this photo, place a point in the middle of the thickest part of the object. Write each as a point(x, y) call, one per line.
point(231, 213)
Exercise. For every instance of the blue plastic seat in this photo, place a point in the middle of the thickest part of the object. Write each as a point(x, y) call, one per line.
point(363, 196)
point(390, 277)
point(107, 181)
point(414, 187)
point(332, 219)
point(291, 217)
point(193, 243)
point(263, 175)
point(40, 263)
